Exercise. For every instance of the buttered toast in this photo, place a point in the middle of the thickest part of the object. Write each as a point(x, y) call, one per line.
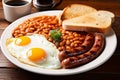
point(75, 10)
point(99, 21)
point(79, 17)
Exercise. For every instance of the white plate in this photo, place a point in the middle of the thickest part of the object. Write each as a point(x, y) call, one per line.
point(111, 42)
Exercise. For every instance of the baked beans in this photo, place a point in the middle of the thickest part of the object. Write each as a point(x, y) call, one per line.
point(70, 40)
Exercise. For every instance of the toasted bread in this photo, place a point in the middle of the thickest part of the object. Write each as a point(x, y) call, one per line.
point(75, 10)
point(99, 21)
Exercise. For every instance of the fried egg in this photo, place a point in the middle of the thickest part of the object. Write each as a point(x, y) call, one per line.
point(34, 50)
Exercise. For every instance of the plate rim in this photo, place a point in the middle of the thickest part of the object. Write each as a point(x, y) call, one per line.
point(61, 71)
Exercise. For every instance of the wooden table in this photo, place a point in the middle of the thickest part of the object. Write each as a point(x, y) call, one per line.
point(108, 71)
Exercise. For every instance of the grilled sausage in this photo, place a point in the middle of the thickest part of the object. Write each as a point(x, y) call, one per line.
point(86, 45)
point(96, 49)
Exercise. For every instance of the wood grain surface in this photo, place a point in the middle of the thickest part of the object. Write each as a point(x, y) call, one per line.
point(108, 71)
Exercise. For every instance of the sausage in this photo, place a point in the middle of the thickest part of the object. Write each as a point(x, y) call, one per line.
point(86, 45)
point(81, 59)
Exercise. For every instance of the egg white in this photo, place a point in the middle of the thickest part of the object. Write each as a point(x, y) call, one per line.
point(51, 61)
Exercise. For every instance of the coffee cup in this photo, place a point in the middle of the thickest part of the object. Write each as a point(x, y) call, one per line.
point(46, 4)
point(14, 9)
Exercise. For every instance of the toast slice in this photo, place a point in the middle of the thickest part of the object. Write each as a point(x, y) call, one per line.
point(99, 21)
point(75, 10)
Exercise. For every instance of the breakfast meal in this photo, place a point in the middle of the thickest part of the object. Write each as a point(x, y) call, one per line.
point(73, 38)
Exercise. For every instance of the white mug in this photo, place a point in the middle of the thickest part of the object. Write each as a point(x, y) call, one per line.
point(13, 9)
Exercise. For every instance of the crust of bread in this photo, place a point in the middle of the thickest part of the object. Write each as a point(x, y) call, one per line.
point(86, 28)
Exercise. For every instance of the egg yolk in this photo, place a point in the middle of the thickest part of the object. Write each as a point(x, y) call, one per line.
point(22, 41)
point(36, 54)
